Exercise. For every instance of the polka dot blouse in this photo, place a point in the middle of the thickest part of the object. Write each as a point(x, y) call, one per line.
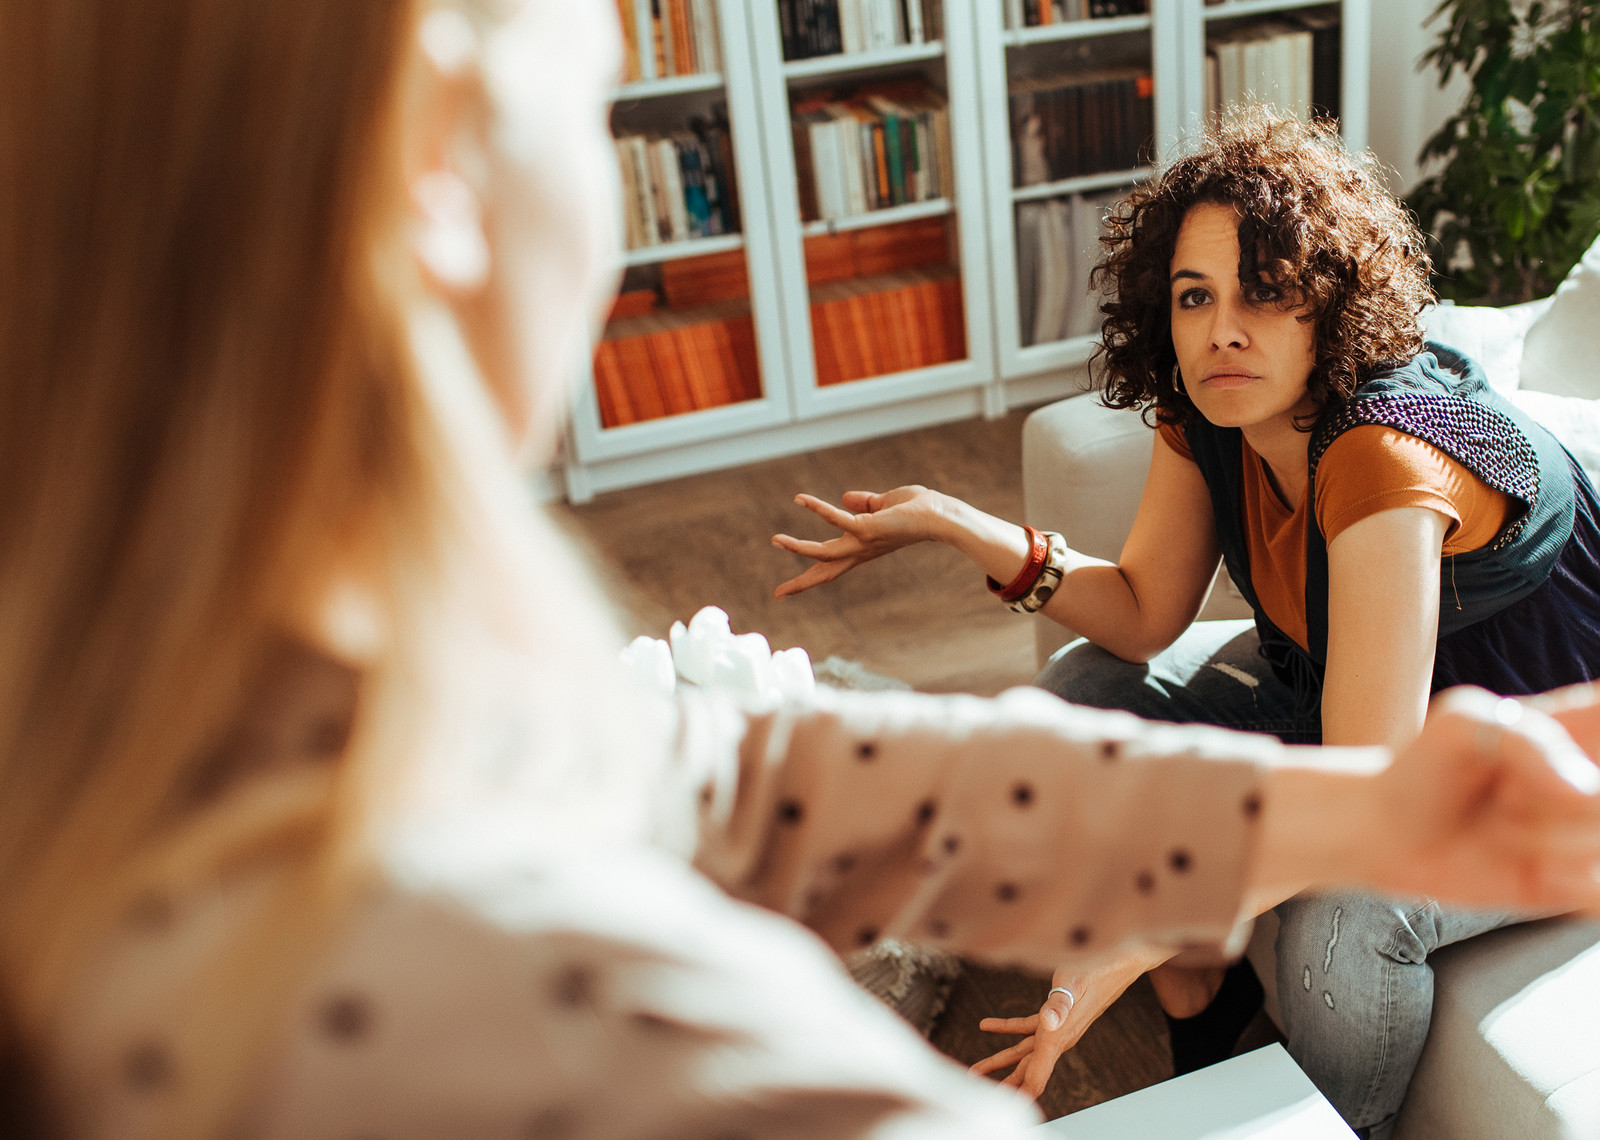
point(488, 987)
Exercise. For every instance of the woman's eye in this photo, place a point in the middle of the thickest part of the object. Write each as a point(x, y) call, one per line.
point(1190, 298)
point(1266, 295)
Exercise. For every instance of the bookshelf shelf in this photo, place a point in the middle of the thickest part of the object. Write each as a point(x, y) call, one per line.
point(885, 217)
point(845, 62)
point(1078, 29)
point(674, 85)
point(1232, 8)
point(1002, 269)
point(672, 251)
point(1088, 184)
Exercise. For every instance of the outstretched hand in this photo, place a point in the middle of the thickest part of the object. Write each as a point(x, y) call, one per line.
point(1498, 801)
point(1058, 1025)
point(871, 525)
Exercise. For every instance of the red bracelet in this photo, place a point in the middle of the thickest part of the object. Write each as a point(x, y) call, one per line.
point(1038, 554)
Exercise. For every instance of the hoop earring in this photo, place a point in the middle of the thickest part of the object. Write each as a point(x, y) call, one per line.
point(1177, 381)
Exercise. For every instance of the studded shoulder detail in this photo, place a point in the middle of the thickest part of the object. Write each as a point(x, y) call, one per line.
point(1485, 441)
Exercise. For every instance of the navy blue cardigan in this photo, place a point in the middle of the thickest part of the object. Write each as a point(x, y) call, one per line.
point(1520, 615)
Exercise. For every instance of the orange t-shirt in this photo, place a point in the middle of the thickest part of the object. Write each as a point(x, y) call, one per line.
point(1368, 469)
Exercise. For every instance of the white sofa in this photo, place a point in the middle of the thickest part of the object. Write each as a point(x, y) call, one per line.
point(1514, 1049)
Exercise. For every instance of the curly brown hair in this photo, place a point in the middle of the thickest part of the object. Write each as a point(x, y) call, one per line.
point(1314, 220)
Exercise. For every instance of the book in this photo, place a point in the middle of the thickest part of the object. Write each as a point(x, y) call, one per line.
point(871, 148)
point(1080, 123)
point(1273, 62)
point(666, 363)
point(811, 28)
point(678, 186)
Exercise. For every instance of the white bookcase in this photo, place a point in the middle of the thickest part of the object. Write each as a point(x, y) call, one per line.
point(974, 63)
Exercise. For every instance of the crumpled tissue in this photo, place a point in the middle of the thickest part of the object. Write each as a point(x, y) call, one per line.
point(707, 652)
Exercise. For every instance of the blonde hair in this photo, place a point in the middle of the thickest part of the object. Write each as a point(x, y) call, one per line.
point(210, 413)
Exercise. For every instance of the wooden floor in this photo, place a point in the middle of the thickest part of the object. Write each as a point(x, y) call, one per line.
point(921, 615)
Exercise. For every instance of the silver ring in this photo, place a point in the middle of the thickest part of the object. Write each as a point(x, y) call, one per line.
point(1071, 1000)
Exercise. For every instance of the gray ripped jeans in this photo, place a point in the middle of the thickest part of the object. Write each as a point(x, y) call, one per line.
point(1354, 986)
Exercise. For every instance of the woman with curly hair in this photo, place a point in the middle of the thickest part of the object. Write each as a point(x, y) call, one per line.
point(1395, 525)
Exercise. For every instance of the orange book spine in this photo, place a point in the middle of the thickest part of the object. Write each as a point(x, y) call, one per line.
point(668, 369)
point(916, 333)
point(631, 68)
point(1047, 12)
point(824, 347)
point(716, 338)
point(638, 377)
point(683, 61)
point(862, 337)
point(746, 358)
point(609, 390)
point(953, 319)
point(696, 371)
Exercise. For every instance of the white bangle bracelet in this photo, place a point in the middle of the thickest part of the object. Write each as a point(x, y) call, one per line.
point(1071, 1000)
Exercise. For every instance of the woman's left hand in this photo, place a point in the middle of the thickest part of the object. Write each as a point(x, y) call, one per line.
point(1059, 1024)
point(1514, 811)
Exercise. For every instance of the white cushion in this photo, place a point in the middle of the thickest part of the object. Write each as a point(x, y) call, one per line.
point(1574, 420)
point(1563, 346)
point(1492, 337)
point(1512, 1051)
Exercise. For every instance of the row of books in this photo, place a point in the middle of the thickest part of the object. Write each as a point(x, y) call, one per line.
point(1037, 13)
point(875, 326)
point(827, 27)
point(1058, 243)
point(712, 278)
point(668, 363)
point(1067, 126)
point(678, 186)
point(663, 38)
point(1292, 64)
point(873, 149)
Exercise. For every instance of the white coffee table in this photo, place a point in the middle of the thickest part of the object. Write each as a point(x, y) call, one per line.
point(1259, 1096)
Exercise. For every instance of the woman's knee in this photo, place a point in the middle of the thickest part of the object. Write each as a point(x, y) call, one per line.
point(1085, 674)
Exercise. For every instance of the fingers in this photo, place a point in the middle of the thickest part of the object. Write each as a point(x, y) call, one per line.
point(1036, 1075)
point(1019, 1025)
point(1004, 1058)
point(813, 576)
point(826, 511)
point(1053, 1015)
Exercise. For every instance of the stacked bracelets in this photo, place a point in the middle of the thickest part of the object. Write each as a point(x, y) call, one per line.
point(1041, 573)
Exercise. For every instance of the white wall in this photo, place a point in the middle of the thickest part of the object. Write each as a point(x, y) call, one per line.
point(1407, 106)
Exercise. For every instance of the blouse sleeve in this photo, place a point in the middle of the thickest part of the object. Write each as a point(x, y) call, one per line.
point(1020, 830)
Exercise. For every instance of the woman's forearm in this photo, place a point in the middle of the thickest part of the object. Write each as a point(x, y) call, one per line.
point(1314, 831)
point(1095, 598)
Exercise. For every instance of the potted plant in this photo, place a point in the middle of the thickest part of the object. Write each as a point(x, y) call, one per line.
point(1517, 199)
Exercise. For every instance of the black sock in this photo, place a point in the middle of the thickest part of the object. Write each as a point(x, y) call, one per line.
point(1210, 1035)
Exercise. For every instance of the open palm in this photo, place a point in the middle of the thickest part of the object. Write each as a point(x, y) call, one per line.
point(870, 525)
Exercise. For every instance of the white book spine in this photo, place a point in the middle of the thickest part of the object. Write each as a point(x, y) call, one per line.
point(1302, 75)
point(645, 25)
point(672, 188)
point(825, 171)
point(638, 150)
point(850, 24)
point(1014, 17)
point(915, 33)
point(713, 37)
point(897, 20)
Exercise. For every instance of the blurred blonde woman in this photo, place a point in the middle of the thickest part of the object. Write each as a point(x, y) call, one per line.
point(321, 810)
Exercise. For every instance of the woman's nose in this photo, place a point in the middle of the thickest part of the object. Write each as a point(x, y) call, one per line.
point(1228, 326)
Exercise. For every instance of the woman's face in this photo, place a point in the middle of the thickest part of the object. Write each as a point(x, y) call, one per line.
point(551, 200)
point(1245, 359)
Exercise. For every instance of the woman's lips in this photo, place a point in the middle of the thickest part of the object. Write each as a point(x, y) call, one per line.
point(1227, 379)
